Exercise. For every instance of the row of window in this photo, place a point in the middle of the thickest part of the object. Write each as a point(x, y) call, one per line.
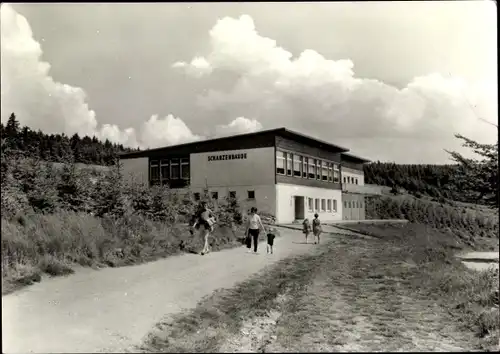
point(296, 165)
point(232, 194)
point(322, 205)
point(167, 169)
point(353, 204)
point(351, 180)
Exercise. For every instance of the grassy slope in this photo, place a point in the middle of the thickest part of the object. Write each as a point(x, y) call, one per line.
point(389, 293)
point(55, 244)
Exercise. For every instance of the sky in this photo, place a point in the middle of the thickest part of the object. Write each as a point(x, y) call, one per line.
point(391, 81)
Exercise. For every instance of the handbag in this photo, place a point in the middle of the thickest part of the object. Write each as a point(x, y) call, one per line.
point(248, 241)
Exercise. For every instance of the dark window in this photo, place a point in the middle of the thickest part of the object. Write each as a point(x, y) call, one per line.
point(164, 170)
point(215, 195)
point(344, 180)
point(280, 162)
point(232, 194)
point(175, 170)
point(185, 168)
point(289, 166)
point(324, 171)
point(251, 194)
point(318, 169)
point(355, 181)
point(312, 168)
point(197, 196)
point(154, 171)
point(345, 205)
point(304, 167)
point(330, 172)
point(297, 166)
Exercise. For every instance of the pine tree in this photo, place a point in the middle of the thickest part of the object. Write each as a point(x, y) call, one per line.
point(478, 178)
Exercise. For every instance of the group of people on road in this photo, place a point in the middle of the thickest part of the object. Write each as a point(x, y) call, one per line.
point(315, 228)
point(204, 221)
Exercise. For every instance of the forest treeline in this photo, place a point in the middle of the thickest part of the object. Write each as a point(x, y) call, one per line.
point(58, 147)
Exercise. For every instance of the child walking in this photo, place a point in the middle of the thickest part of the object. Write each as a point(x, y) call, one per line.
point(316, 228)
point(270, 242)
point(306, 227)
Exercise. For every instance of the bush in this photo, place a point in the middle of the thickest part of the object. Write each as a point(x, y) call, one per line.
point(464, 222)
point(55, 217)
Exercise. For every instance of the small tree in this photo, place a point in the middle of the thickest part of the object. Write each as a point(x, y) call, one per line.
point(478, 178)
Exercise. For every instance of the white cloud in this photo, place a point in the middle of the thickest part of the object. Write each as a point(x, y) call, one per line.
point(167, 131)
point(40, 102)
point(240, 125)
point(325, 98)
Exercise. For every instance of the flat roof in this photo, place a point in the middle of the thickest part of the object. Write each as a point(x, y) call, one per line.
point(284, 132)
point(354, 158)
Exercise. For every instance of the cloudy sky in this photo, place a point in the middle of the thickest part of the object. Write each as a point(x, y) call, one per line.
point(391, 81)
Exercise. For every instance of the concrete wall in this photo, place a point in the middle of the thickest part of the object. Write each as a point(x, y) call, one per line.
point(346, 171)
point(285, 208)
point(353, 206)
point(136, 168)
point(265, 196)
point(257, 169)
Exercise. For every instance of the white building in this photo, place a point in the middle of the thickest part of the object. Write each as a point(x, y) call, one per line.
point(281, 172)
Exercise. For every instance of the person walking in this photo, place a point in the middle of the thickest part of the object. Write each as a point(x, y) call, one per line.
point(306, 227)
point(204, 221)
point(316, 228)
point(254, 225)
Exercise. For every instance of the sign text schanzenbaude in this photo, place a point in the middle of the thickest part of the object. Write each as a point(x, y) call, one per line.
point(241, 156)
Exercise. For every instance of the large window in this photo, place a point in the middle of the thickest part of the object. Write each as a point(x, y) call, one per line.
point(251, 194)
point(232, 195)
point(280, 162)
point(316, 204)
point(318, 169)
point(334, 205)
point(175, 169)
point(154, 171)
point(330, 172)
point(312, 168)
point(297, 165)
point(323, 205)
point(289, 166)
point(324, 171)
point(329, 205)
point(336, 173)
point(310, 204)
point(164, 170)
point(185, 168)
point(304, 167)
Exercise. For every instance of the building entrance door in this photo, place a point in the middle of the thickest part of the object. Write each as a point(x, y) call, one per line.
point(300, 207)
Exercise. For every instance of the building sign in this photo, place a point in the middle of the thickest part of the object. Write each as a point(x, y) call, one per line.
point(241, 156)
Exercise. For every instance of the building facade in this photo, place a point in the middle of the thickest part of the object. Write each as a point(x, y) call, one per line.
point(281, 172)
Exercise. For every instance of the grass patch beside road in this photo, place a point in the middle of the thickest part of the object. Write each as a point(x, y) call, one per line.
point(392, 293)
point(54, 244)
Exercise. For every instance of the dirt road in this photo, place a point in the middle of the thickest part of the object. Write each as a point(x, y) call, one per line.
point(113, 309)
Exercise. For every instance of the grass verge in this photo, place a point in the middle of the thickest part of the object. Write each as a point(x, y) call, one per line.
point(402, 291)
point(54, 244)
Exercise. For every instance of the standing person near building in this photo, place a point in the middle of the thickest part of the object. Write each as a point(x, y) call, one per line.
point(316, 228)
point(254, 224)
point(204, 221)
point(306, 227)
